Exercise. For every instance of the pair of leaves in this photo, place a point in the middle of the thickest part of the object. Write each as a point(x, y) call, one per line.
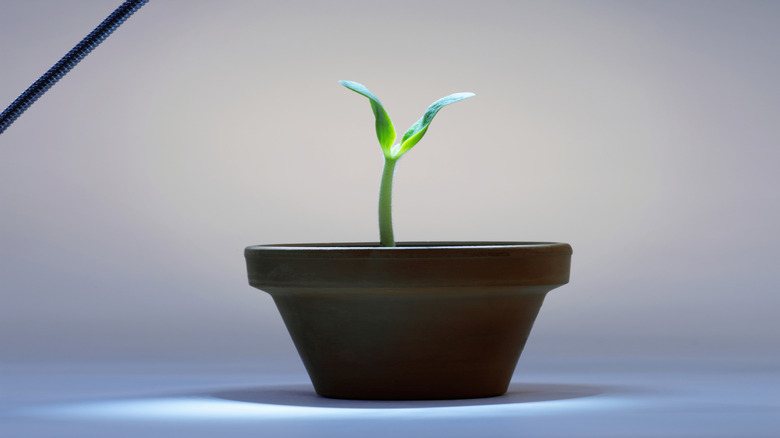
point(384, 126)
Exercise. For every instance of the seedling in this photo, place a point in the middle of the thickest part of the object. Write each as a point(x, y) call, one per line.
point(385, 133)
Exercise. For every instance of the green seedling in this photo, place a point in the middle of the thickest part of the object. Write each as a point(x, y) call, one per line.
point(393, 151)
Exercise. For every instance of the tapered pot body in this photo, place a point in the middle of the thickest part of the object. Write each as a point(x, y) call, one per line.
point(432, 320)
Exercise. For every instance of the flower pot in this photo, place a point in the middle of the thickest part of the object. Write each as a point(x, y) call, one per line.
point(433, 320)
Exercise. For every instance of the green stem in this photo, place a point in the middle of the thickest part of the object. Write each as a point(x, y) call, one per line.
point(385, 204)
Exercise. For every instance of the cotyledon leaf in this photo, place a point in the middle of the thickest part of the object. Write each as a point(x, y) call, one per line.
point(416, 132)
point(385, 132)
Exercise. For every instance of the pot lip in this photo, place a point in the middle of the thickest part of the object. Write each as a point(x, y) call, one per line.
point(417, 247)
point(405, 245)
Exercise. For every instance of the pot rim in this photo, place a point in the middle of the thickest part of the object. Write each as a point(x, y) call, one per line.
point(410, 249)
point(346, 246)
point(412, 264)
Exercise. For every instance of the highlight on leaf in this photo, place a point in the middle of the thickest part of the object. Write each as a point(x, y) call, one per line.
point(416, 132)
point(385, 132)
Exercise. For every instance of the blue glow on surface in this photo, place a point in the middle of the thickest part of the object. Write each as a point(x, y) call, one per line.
point(265, 404)
point(675, 400)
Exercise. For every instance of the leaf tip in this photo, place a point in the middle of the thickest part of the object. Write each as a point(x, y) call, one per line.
point(352, 85)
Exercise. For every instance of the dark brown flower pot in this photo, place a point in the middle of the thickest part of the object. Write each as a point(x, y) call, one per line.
point(433, 320)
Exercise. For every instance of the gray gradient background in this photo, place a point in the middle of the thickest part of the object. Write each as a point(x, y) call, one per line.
point(644, 133)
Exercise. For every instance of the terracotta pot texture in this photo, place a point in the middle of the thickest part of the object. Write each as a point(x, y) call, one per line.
point(427, 320)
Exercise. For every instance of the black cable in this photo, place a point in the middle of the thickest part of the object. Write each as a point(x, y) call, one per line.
point(82, 49)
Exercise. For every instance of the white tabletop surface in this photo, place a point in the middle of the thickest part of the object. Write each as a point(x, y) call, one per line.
point(670, 397)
